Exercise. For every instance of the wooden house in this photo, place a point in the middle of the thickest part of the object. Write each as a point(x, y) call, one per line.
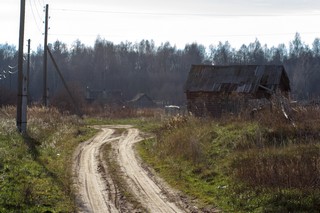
point(111, 98)
point(214, 90)
point(141, 100)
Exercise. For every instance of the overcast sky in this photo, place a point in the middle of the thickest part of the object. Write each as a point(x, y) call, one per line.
point(179, 22)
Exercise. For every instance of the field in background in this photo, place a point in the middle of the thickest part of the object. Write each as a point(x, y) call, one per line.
point(265, 164)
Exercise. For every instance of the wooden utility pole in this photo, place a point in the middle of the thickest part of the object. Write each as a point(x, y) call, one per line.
point(45, 58)
point(64, 83)
point(28, 69)
point(21, 110)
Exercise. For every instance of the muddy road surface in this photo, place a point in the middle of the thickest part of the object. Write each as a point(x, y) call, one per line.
point(97, 191)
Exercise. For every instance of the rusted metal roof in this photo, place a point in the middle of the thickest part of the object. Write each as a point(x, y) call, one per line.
point(237, 78)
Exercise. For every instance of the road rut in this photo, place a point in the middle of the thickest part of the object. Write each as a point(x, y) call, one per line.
point(96, 191)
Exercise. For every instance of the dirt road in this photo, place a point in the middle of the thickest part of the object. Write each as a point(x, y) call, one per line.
point(96, 189)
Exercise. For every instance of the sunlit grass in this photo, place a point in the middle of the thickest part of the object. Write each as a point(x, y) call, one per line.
point(35, 168)
point(241, 165)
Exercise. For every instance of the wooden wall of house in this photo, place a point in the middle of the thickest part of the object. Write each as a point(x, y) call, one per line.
point(203, 104)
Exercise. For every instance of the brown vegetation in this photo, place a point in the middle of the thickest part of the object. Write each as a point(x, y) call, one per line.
point(267, 162)
point(284, 153)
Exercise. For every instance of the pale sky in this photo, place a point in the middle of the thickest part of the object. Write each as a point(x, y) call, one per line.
point(179, 22)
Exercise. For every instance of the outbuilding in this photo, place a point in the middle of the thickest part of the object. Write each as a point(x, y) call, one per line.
point(142, 100)
point(214, 90)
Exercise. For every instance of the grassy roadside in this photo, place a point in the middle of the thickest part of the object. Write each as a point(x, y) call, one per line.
point(241, 165)
point(35, 169)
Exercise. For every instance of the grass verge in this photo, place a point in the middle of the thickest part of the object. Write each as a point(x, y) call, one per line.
point(240, 165)
point(35, 168)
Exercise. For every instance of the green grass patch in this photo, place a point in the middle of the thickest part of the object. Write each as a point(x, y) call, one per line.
point(35, 170)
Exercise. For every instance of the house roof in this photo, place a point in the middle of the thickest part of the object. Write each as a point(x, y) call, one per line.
point(139, 96)
point(237, 78)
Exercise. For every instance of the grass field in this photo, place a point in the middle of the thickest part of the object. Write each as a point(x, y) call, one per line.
point(235, 164)
point(239, 165)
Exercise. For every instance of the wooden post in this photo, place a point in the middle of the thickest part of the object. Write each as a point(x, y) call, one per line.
point(64, 83)
point(21, 110)
point(45, 59)
point(28, 70)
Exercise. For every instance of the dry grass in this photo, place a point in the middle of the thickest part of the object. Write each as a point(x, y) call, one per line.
point(7, 121)
point(294, 167)
point(119, 112)
point(175, 139)
point(290, 155)
point(255, 160)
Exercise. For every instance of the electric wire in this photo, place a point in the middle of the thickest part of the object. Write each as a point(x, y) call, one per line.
point(262, 35)
point(205, 35)
point(34, 17)
point(36, 9)
point(181, 14)
point(4, 73)
point(40, 4)
point(12, 67)
point(188, 14)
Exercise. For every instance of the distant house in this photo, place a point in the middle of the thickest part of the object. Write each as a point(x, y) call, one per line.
point(213, 90)
point(106, 97)
point(141, 100)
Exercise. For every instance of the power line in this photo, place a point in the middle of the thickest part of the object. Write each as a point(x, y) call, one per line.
point(36, 8)
point(267, 34)
point(41, 4)
point(182, 14)
point(34, 17)
point(207, 35)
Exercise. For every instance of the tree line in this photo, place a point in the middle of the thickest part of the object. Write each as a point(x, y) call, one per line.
point(158, 71)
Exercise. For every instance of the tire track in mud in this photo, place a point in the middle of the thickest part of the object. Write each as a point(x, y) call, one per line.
point(149, 193)
point(96, 191)
point(92, 189)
